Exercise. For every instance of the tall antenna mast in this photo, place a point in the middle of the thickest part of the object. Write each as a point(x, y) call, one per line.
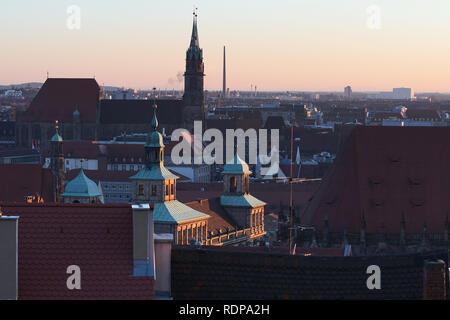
point(224, 93)
point(291, 209)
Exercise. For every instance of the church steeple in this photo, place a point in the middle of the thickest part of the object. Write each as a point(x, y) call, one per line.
point(154, 183)
point(154, 144)
point(194, 80)
point(57, 164)
point(194, 37)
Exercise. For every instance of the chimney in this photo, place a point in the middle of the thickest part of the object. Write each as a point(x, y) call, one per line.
point(434, 283)
point(8, 258)
point(163, 252)
point(143, 244)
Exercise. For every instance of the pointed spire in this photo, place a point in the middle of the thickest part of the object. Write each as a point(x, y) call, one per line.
point(325, 230)
point(382, 245)
point(314, 240)
point(194, 38)
point(424, 244)
point(155, 119)
point(363, 220)
point(446, 229)
point(363, 233)
point(424, 235)
point(345, 239)
point(403, 231)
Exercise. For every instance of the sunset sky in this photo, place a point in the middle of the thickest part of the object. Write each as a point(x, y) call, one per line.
point(277, 45)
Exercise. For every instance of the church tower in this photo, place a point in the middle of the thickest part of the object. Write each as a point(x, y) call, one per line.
point(154, 183)
point(246, 210)
point(57, 164)
point(193, 81)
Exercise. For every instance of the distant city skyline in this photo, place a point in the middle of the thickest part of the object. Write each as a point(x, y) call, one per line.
point(283, 46)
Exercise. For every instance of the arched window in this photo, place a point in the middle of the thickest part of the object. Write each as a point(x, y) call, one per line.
point(233, 184)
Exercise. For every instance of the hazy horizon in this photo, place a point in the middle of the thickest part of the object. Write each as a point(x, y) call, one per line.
point(290, 45)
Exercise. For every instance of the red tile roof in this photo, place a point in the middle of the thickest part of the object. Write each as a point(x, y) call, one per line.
point(22, 180)
point(385, 171)
point(141, 111)
point(59, 98)
point(97, 238)
point(219, 217)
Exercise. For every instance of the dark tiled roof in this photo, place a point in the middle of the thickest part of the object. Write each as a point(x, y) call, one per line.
point(17, 152)
point(275, 122)
point(219, 217)
point(423, 114)
point(97, 238)
point(103, 175)
point(141, 111)
point(93, 150)
point(22, 180)
point(273, 194)
point(384, 171)
point(110, 175)
point(244, 124)
point(78, 149)
point(222, 274)
point(59, 98)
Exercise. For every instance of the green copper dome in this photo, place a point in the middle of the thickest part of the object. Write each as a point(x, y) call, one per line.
point(236, 166)
point(154, 138)
point(81, 186)
point(56, 138)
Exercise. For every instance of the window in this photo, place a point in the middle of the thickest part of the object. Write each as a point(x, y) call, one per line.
point(167, 189)
point(153, 190)
point(172, 189)
point(141, 189)
point(233, 184)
